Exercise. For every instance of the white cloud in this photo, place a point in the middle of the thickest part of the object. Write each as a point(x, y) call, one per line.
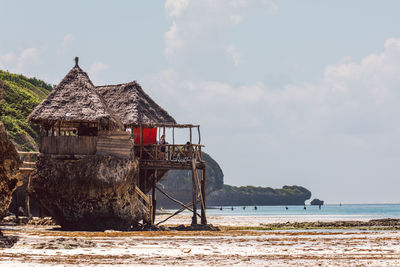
point(22, 62)
point(201, 31)
point(236, 18)
point(6, 59)
point(353, 98)
point(234, 54)
point(175, 7)
point(173, 43)
point(96, 70)
point(27, 55)
point(69, 37)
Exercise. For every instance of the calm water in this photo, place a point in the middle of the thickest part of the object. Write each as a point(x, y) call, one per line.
point(351, 211)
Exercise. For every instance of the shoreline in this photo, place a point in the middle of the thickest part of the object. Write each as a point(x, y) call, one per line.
point(41, 242)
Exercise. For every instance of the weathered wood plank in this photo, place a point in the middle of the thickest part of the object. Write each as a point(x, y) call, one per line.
point(68, 145)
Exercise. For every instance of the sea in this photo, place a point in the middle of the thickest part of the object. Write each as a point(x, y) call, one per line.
point(329, 211)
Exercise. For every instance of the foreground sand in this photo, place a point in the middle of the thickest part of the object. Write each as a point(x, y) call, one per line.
point(48, 246)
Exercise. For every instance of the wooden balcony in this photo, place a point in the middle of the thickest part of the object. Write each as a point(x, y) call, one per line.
point(168, 156)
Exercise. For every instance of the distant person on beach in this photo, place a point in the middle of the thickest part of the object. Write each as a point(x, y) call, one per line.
point(232, 208)
point(305, 207)
point(286, 208)
point(255, 207)
point(244, 207)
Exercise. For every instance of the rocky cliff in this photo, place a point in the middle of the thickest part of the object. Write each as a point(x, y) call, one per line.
point(251, 195)
point(92, 193)
point(9, 174)
point(179, 185)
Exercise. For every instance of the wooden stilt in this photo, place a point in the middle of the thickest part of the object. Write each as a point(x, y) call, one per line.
point(153, 198)
point(27, 196)
point(203, 194)
point(194, 217)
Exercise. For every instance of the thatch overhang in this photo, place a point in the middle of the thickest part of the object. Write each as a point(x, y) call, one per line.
point(134, 107)
point(74, 100)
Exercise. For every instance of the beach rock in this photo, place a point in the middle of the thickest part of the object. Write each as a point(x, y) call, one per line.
point(90, 193)
point(317, 202)
point(9, 171)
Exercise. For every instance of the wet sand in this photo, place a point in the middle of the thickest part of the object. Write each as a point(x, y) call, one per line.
point(46, 245)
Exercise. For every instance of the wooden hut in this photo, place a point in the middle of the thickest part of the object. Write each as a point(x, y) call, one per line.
point(75, 120)
point(78, 119)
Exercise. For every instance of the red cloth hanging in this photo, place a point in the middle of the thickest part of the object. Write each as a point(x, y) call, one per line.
point(149, 135)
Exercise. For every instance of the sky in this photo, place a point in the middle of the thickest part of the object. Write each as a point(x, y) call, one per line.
point(286, 92)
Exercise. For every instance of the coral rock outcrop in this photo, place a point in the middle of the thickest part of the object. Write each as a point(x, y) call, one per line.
point(91, 193)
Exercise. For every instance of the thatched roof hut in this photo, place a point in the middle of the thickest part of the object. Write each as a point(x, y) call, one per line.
point(74, 100)
point(133, 106)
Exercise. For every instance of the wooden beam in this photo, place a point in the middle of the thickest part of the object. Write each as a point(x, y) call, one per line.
point(198, 131)
point(176, 213)
point(143, 195)
point(203, 193)
point(176, 201)
point(27, 196)
point(194, 191)
point(203, 204)
point(153, 198)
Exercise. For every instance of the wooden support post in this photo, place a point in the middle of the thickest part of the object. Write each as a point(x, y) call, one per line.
point(198, 130)
point(194, 191)
point(203, 194)
point(153, 198)
point(190, 135)
point(27, 193)
point(173, 142)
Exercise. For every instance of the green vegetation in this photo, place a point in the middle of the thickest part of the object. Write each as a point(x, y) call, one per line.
point(20, 96)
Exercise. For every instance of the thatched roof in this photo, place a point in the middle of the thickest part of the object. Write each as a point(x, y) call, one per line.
point(74, 99)
point(133, 106)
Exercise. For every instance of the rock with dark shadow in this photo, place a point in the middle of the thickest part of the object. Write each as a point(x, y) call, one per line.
point(9, 171)
point(317, 202)
point(90, 193)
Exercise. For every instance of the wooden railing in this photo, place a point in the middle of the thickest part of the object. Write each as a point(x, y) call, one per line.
point(169, 152)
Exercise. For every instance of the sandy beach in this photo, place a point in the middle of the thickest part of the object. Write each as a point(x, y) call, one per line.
point(49, 246)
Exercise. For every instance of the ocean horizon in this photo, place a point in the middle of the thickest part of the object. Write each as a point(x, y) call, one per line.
point(326, 212)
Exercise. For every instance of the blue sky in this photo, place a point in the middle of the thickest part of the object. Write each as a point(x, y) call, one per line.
point(287, 92)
